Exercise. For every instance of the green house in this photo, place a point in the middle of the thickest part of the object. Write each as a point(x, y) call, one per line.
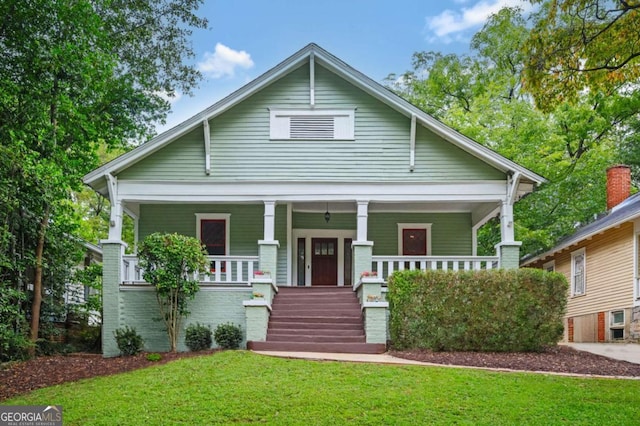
point(311, 176)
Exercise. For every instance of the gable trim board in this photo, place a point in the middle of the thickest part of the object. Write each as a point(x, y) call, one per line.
point(314, 54)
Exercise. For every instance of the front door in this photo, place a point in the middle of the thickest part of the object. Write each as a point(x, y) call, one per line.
point(324, 261)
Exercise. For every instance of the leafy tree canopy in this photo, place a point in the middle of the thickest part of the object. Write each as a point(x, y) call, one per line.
point(582, 44)
point(75, 76)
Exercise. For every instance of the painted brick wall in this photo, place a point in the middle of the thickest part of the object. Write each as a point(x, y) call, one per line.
point(139, 309)
point(111, 258)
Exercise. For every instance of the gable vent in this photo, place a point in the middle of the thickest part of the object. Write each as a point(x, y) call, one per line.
point(311, 127)
point(312, 124)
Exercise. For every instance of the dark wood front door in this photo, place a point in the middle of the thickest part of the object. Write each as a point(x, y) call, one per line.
point(324, 261)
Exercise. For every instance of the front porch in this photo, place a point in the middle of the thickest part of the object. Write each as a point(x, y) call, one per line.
point(256, 248)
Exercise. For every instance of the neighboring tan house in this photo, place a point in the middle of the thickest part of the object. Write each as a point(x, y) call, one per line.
point(601, 263)
point(323, 180)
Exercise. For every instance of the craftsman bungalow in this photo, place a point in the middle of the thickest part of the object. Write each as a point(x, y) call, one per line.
point(314, 175)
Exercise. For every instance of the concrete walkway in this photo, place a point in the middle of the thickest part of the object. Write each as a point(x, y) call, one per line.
point(623, 351)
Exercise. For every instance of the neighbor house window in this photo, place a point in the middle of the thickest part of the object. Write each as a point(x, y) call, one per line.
point(616, 323)
point(550, 266)
point(578, 272)
point(316, 124)
point(213, 232)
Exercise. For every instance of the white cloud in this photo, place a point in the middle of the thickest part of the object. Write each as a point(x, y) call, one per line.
point(224, 61)
point(171, 99)
point(448, 25)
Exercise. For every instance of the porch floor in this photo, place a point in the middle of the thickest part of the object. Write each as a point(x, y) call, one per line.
point(316, 319)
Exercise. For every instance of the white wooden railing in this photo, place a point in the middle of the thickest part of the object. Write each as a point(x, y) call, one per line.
point(224, 270)
point(387, 265)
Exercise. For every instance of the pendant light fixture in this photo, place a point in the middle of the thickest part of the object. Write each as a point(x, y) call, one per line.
point(327, 215)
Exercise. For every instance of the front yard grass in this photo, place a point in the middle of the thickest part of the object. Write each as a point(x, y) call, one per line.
point(242, 387)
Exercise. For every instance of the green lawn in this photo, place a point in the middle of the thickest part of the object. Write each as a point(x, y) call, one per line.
point(241, 387)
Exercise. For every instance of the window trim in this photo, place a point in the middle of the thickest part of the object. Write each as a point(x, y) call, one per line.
point(276, 126)
point(617, 324)
point(574, 255)
point(403, 226)
point(215, 216)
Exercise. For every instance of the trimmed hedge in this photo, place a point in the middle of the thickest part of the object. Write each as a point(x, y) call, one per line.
point(516, 310)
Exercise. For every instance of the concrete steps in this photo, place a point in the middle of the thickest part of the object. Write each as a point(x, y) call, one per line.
point(316, 319)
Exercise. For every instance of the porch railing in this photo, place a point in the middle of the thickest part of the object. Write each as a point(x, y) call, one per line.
point(224, 270)
point(387, 265)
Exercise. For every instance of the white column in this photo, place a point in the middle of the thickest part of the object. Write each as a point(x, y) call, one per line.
point(506, 222)
point(115, 222)
point(269, 220)
point(363, 212)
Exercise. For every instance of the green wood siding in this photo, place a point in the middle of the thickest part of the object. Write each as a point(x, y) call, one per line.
point(241, 149)
point(246, 228)
point(316, 221)
point(450, 232)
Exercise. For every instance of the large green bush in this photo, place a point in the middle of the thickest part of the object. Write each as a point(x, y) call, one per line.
point(496, 310)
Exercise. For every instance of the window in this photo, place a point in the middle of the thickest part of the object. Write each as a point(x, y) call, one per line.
point(414, 239)
point(312, 124)
point(616, 324)
point(578, 273)
point(549, 266)
point(213, 231)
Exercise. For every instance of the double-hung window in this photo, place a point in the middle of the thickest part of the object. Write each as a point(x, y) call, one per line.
point(213, 231)
point(578, 273)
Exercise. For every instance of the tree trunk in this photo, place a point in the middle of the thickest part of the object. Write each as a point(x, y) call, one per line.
point(37, 281)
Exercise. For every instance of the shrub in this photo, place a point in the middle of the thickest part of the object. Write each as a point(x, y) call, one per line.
point(498, 310)
point(228, 336)
point(154, 357)
point(198, 337)
point(128, 340)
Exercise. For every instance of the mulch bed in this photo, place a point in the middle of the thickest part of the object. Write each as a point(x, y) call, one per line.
point(22, 377)
point(558, 359)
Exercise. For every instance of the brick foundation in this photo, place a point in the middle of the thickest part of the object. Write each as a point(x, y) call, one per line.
point(601, 334)
point(570, 329)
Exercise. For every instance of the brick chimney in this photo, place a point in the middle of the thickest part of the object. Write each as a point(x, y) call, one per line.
point(618, 185)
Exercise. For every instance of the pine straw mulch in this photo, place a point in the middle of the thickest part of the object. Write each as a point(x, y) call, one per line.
point(22, 377)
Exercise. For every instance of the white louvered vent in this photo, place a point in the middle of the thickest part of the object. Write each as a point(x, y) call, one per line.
point(311, 127)
point(312, 124)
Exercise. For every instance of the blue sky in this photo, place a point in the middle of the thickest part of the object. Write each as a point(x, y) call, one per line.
point(248, 37)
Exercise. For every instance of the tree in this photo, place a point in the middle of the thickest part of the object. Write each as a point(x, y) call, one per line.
point(582, 44)
point(172, 264)
point(571, 145)
point(75, 76)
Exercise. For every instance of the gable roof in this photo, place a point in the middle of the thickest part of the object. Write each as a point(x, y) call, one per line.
point(322, 57)
point(624, 212)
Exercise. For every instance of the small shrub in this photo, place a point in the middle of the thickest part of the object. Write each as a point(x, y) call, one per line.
point(154, 357)
point(128, 340)
point(198, 337)
point(228, 336)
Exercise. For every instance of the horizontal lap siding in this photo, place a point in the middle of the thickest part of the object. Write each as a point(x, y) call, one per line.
point(247, 222)
point(241, 149)
point(450, 232)
point(609, 270)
